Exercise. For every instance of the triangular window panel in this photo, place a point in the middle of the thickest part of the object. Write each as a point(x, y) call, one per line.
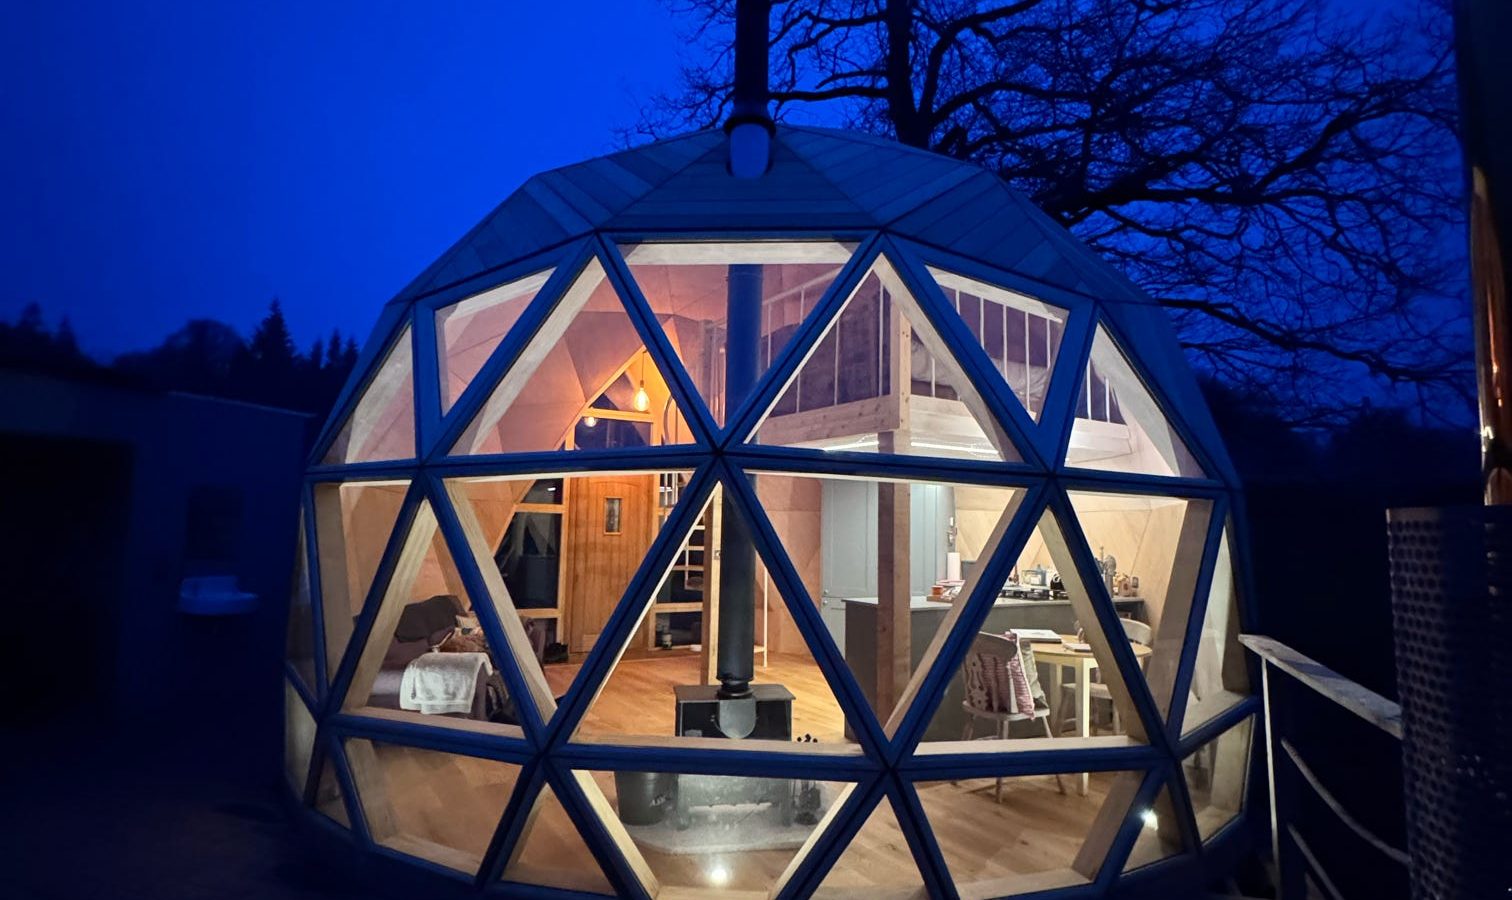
point(585, 381)
point(1215, 776)
point(881, 380)
point(1002, 836)
point(382, 424)
point(864, 545)
point(440, 807)
point(1159, 833)
point(1119, 425)
point(468, 331)
point(427, 659)
point(1221, 678)
point(353, 524)
point(877, 864)
point(550, 851)
point(329, 801)
point(1019, 334)
point(691, 288)
point(299, 739)
point(1038, 673)
point(710, 835)
point(1149, 554)
point(557, 555)
point(299, 648)
point(665, 680)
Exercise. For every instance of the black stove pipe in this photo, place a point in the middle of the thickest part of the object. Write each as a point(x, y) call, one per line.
point(736, 661)
point(752, 23)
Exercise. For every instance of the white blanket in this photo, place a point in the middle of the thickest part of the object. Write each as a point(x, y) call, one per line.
point(437, 683)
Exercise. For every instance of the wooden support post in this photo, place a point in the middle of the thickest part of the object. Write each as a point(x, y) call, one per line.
point(893, 594)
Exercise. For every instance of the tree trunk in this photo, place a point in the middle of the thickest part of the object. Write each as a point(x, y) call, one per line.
point(907, 123)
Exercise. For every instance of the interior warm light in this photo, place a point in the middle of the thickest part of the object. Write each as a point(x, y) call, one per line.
point(1150, 820)
point(719, 876)
point(642, 401)
point(590, 421)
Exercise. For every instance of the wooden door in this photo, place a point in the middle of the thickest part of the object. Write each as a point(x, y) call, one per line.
point(601, 561)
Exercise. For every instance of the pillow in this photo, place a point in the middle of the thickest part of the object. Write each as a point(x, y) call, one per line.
point(402, 653)
point(424, 618)
point(457, 642)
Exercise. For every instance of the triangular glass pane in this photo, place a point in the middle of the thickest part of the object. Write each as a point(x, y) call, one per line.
point(567, 390)
point(1119, 426)
point(1159, 833)
point(299, 647)
point(1149, 553)
point(329, 800)
point(353, 523)
point(710, 835)
point(1215, 776)
point(1040, 670)
point(468, 331)
point(877, 864)
point(299, 739)
point(882, 380)
point(664, 683)
point(382, 424)
point(441, 807)
point(691, 287)
point(1019, 334)
point(557, 554)
point(427, 658)
point(1002, 836)
point(1221, 678)
point(550, 851)
point(866, 545)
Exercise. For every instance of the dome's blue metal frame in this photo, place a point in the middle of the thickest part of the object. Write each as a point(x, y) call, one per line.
point(836, 186)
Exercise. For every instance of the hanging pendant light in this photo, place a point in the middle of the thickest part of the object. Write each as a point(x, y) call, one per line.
point(642, 399)
point(590, 421)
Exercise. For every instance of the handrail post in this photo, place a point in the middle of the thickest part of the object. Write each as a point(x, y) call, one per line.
point(1270, 766)
point(1291, 869)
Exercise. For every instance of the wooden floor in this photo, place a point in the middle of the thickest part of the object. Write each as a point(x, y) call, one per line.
point(638, 700)
point(446, 808)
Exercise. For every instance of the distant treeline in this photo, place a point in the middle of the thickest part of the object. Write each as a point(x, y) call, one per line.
point(203, 357)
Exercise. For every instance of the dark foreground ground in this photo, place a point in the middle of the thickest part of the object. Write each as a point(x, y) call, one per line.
point(150, 812)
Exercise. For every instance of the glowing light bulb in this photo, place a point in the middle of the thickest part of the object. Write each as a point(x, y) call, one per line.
point(1150, 820)
point(590, 421)
point(719, 876)
point(642, 399)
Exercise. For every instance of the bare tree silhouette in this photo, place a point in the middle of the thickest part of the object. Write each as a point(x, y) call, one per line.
point(1281, 174)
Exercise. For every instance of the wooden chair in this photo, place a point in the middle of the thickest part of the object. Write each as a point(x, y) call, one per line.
point(989, 692)
point(1137, 632)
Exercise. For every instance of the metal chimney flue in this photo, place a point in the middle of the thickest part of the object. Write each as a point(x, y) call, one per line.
point(750, 124)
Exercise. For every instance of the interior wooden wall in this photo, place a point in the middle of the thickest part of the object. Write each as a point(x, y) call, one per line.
point(1140, 534)
point(793, 505)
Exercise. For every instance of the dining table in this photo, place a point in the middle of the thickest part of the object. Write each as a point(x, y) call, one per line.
point(1083, 663)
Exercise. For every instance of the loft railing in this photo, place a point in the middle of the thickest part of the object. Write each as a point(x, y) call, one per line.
point(1301, 841)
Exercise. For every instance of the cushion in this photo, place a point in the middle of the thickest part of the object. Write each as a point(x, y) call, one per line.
point(420, 620)
point(402, 653)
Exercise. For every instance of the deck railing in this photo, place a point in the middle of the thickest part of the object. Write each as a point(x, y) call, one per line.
point(1297, 791)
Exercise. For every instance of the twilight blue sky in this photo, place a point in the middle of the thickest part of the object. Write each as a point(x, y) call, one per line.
point(165, 160)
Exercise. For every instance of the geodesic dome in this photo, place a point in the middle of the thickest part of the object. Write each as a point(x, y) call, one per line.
point(961, 485)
